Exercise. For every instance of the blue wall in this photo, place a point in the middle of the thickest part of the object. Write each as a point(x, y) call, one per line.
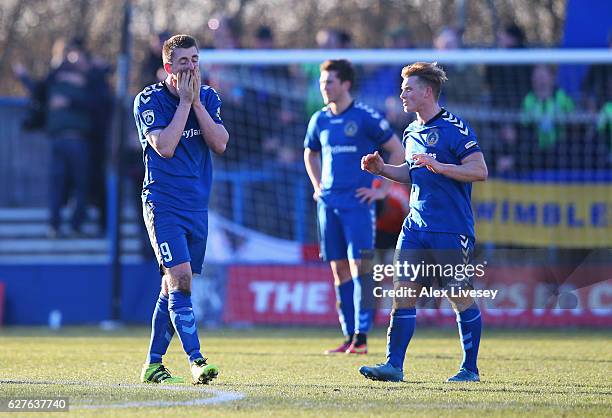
point(81, 292)
point(588, 24)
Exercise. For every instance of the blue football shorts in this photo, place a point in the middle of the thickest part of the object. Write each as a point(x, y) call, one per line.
point(443, 257)
point(177, 236)
point(345, 233)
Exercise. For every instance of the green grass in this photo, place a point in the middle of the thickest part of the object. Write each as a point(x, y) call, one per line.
point(282, 372)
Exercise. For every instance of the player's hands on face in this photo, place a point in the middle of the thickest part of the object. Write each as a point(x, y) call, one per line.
point(372, 163)
point(184, 86)
point(197, 84)
point(425, 160)
point(369, 195)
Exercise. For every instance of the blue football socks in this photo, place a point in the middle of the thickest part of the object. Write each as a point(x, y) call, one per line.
point(470, 327)
point(181, 313)
point(364, 303)
point(162, 331)
point(401, 329)
point(346, 307)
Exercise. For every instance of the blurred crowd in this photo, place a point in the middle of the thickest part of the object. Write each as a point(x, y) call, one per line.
point(72, 103)
point(525, 120)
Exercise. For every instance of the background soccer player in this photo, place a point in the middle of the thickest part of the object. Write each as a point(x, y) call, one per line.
point(442, 159)
point(338, 135)
point(178, 123)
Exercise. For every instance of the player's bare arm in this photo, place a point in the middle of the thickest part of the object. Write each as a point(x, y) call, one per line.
point(312, 160)
point(472, 167)
point(395, 151)
point(165, 141)
point(374, 164)
point(215, 135)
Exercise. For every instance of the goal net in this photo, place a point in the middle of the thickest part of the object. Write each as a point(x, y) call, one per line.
point(542, 117)
point(539, 114)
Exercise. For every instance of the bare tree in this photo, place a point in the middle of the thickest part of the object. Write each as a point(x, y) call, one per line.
point(35, 24)
point(10, 32)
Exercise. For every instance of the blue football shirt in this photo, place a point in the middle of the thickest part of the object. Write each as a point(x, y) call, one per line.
point(439, 203)
point(183, 181)
point(342, 140)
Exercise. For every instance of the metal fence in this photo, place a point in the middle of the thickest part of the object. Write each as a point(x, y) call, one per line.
point(24, 159)
point(25, 166)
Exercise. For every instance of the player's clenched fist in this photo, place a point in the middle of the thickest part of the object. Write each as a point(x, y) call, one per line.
point(372, 163)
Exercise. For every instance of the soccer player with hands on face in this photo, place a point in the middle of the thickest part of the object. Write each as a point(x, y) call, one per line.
point(179, 123)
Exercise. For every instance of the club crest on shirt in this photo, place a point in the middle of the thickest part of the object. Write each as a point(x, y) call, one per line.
point(350, 129)
point(148, 117)
point(432, 138)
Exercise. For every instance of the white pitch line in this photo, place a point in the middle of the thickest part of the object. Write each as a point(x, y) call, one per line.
point(220, 396)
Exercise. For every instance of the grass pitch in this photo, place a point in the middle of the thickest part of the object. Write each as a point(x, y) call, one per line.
point(281, 372)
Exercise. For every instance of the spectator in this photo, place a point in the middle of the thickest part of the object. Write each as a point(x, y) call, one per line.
point(70, 105)
point(379, 85)
point(345, 40)
point(58, 55)
point(152, 70)
point(604, 134)
point(36, 112)
point(225, 33)
point(225, 36)
point(275, 120)
point(271, 131)
point(264, 38)
point(326, 38)
point(465, 81)
point(597, 85)
point(268, 118)
point(447, 39)
point(508, 156)
point(507, 85)
point(398, 38)
point(597, 98)
point(544, 106)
